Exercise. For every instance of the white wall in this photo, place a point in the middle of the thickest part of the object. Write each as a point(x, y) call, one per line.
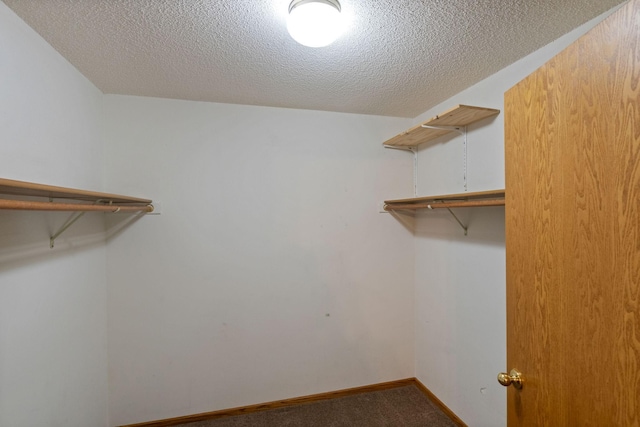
point(270, 273)
point(460, 280)
point(53, 366)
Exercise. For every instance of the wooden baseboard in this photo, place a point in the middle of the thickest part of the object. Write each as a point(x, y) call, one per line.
point(432, 397)
point(276, 404)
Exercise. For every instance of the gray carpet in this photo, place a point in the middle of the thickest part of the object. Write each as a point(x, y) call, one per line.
point(404, 406)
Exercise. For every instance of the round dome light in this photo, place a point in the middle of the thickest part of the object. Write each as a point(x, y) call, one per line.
point(314, 23)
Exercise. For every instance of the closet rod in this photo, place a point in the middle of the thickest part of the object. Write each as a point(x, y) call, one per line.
point(441, 205)
point(70, 207)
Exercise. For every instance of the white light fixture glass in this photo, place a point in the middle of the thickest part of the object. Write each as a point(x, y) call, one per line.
point(315, 23)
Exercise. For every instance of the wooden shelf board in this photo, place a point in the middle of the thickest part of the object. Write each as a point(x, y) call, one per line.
point(21, 188)
point(460, 115)
point(480, 198)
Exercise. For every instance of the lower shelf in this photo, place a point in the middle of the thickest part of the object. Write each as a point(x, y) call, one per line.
point(13, 193)
point(463, 200)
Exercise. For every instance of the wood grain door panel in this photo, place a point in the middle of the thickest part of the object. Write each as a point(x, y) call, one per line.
point(572, 151)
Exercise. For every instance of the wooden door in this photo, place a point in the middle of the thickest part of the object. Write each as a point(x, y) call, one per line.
point(572, 151)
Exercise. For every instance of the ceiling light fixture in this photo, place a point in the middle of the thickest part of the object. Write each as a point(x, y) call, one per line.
point(315, 23)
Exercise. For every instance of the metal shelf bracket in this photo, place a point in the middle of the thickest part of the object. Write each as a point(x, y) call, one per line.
point(72, 220)
point(69, 223)
point(460, 129)
point(464, 227)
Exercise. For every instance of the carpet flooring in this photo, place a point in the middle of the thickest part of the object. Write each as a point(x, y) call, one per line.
point(403, 407)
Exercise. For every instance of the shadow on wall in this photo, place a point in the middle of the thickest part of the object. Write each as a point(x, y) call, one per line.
point(406, 218)
point(485, 225)
point(24, 235)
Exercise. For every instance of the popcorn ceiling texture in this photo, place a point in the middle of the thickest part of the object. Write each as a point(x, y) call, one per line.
point(399, 57)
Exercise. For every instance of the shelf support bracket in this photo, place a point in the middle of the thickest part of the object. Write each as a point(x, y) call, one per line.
point(64, 227)
point(397, 147)
point(460, 129)
point(72, 220)
point(464, 227)
point(459, 222)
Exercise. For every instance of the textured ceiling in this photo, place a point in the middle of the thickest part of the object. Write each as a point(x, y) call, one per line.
point(398, 58)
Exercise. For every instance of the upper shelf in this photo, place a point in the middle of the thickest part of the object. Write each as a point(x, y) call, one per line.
point(480, 198)
point(458, 116)
point(84, 200)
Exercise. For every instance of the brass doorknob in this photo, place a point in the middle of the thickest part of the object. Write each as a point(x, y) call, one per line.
point(512, 378)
